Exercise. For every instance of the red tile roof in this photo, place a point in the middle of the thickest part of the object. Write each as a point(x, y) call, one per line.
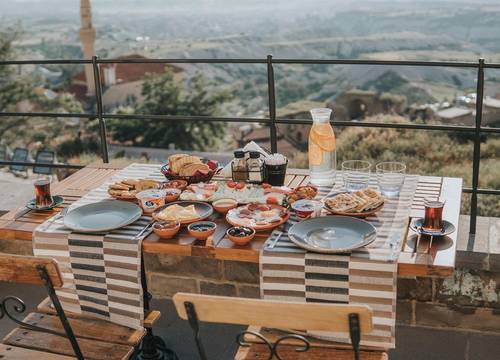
point(131, 72)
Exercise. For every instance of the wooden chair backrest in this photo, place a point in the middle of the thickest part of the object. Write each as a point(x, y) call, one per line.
point(22, 269)
point(274, 314)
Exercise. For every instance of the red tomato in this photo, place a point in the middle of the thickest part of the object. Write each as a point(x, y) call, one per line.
point(231, 184)
point(240, 185)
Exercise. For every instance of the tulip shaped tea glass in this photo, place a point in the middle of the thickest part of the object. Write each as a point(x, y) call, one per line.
point(356, 174)
point(390, 177)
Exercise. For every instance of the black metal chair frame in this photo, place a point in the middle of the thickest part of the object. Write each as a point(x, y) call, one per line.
point(354, 332)
point(45, 170)
point(19, 307)
point(151, 348)
point(19, 168)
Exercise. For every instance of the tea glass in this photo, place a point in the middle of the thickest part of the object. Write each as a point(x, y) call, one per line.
point(390, 177)
point(356, 174)
point(433, 220)
point(43, 198)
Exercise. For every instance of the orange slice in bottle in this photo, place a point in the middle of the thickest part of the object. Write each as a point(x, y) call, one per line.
point(315, 154)
point(322, 135)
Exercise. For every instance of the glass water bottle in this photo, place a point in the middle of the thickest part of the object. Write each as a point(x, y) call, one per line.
point(322, 154)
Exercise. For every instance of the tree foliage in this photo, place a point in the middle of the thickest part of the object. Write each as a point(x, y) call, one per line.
point(162, 94)
point(16, 88)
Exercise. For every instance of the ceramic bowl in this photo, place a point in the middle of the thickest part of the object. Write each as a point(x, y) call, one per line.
point(172, 194)
point(240, 240)
point(167, 229)
point(224, 205)
point(151, 199)
point(201, 230)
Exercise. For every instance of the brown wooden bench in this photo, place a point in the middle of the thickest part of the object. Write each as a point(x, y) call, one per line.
point(258, 344)
point(51, 333)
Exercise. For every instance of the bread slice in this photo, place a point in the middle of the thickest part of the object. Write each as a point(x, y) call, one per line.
point(191, 169)
point(120, 186)
point(174, 158)
point(179, 163)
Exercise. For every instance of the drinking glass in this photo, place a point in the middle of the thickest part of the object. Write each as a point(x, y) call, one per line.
point(43, 198)
point(390, 176)
point(433, 220)
point(356, 174)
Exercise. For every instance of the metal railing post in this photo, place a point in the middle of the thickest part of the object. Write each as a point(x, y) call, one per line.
point(98, 98)
point(272, 103)
point(477, 154)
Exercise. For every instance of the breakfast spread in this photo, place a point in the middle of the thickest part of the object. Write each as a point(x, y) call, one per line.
point(304, 208)
point(257, 216)
point(176, 184)
point(201, 230)
point(151, 199)
point(128, 189)
point(240, 235)
point(178, 212)
point(356, 202)
point(241, 192)
point(302, 192)
point(166, 229)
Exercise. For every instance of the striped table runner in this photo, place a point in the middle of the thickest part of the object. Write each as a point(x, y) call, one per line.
point(365, 276)
point(101, 272)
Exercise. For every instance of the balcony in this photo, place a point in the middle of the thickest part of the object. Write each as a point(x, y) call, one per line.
point(433, 310)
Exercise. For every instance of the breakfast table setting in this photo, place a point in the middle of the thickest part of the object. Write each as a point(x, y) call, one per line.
point(323, 235)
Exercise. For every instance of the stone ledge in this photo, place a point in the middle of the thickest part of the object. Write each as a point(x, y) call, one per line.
point(485, 254)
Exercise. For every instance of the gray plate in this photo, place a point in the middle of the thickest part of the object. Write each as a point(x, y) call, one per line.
point(332, 234)
point(102, 216)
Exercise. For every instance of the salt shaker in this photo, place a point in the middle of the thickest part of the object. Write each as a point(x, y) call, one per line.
point(255, 168)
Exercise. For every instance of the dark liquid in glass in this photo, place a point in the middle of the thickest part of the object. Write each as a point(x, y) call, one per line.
point(42, 193)
point(433, 220)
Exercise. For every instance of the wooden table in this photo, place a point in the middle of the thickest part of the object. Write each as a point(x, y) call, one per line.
point(437, 260)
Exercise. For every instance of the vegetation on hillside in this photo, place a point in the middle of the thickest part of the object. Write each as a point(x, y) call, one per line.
point(164, 96)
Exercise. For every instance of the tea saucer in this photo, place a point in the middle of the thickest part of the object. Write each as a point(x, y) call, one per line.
point(448, 228)
point(57, 200)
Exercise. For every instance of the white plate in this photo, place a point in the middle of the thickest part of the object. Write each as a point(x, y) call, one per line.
point(102, 216)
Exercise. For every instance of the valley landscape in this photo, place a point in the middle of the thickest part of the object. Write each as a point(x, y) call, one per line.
point(373, 30)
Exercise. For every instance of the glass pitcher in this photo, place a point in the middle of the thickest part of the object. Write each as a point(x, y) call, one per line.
point(322, 154)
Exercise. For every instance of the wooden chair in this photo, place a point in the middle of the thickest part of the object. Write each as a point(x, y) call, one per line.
point(341, 318)
point(56, 334)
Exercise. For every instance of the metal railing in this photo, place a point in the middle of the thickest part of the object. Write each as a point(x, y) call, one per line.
point(477, 130)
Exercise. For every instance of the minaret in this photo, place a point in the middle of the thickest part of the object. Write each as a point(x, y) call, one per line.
point(87, 36)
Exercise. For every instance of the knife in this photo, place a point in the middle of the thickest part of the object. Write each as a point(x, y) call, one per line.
point(21, 213)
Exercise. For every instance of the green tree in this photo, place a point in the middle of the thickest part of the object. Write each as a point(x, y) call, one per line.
point(164, 95)
point(18, 87)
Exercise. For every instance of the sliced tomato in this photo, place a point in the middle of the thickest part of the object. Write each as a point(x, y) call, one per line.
point(240, 185)
point(231, 184)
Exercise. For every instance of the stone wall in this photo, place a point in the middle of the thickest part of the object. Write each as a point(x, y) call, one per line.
point(168, 274)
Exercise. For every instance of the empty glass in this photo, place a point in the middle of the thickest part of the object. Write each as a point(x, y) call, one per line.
point(356, 174)
point(390, 176)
